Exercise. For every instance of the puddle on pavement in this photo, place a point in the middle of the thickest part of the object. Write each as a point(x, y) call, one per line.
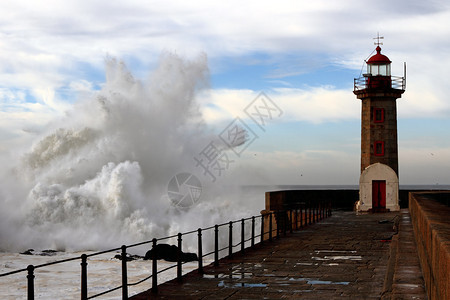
point(240, 284)
point(344, 257)
point(237, 275)
point(306, 264)
point(212, 276)
point(338, 255)
point(316, 281)
point(335, 251)
point(327, 282)
point(409, 285)
point(233, 275)
point(295, 291)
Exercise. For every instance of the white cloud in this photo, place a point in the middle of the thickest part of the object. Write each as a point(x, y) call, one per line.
point(315, 105)
point(55, 37)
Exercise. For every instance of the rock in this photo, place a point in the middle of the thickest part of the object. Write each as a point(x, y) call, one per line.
point(169, 253)
point(40, 253)
point(48, 252)
point(28, 252)
point(129, 257)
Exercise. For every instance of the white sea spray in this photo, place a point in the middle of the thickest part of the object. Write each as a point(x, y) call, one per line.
point(98, 177)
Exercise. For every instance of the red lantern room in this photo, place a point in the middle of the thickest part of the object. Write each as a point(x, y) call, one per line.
point(379, 64)
point(378, 74)
point(378, 71)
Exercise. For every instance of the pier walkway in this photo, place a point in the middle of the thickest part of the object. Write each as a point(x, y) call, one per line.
point(345, 256)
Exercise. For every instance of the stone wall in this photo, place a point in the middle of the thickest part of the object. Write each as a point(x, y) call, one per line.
point(430, 219)
point(340, 199)
point(385, 131)
point(280, 200)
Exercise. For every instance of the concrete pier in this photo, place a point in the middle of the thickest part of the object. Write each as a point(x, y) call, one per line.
point(346, 256)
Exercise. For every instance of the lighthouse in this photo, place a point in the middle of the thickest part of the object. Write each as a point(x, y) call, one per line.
point(378, 91)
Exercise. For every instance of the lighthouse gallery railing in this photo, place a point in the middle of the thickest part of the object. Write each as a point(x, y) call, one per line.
point(362, 83)
point(279, 223)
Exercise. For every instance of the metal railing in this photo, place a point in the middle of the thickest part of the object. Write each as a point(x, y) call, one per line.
point(396, 82)
point(273, 222)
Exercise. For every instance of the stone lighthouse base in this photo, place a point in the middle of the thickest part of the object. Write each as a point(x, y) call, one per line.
point(378, 189)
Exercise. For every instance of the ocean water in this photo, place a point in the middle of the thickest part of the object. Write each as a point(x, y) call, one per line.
point(62, 281)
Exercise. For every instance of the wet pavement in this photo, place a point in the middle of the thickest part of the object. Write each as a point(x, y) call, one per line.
point(345, 256)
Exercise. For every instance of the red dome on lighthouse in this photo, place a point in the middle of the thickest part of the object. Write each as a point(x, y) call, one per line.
point(378, 59)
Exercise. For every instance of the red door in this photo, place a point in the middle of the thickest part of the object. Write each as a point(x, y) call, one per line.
point(378, 195)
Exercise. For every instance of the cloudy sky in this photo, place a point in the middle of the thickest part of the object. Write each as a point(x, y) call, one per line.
point(302, 54)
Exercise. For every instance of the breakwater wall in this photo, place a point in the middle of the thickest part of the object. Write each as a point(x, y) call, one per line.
point(340, 198)
point(430, 218)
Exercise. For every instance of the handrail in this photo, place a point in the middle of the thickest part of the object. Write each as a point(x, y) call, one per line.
point(396, 82)
point(278, 221)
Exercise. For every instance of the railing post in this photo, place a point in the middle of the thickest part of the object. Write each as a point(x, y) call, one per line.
point(261, 241)
point(200, 251)
point(179, 258)
point(278, 223)
point(296, 218)
point(84, 294)
point(329, 209)
point(310, 206)
point(316, 208)
point(301, 216)
point(124, 273)
point(216, 245)
point(270, 226)
point(320, 210)
point(242, 236)
point(253, 232)
point(307, 214)
point(154, 269)
point(230, 239)
point(30, 288)
point(291, 222)
point(314, 212)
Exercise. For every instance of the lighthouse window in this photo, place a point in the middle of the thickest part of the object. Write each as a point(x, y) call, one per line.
point(378, 115)
point(379, 148)
point(383, 70)
point(373, 69)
